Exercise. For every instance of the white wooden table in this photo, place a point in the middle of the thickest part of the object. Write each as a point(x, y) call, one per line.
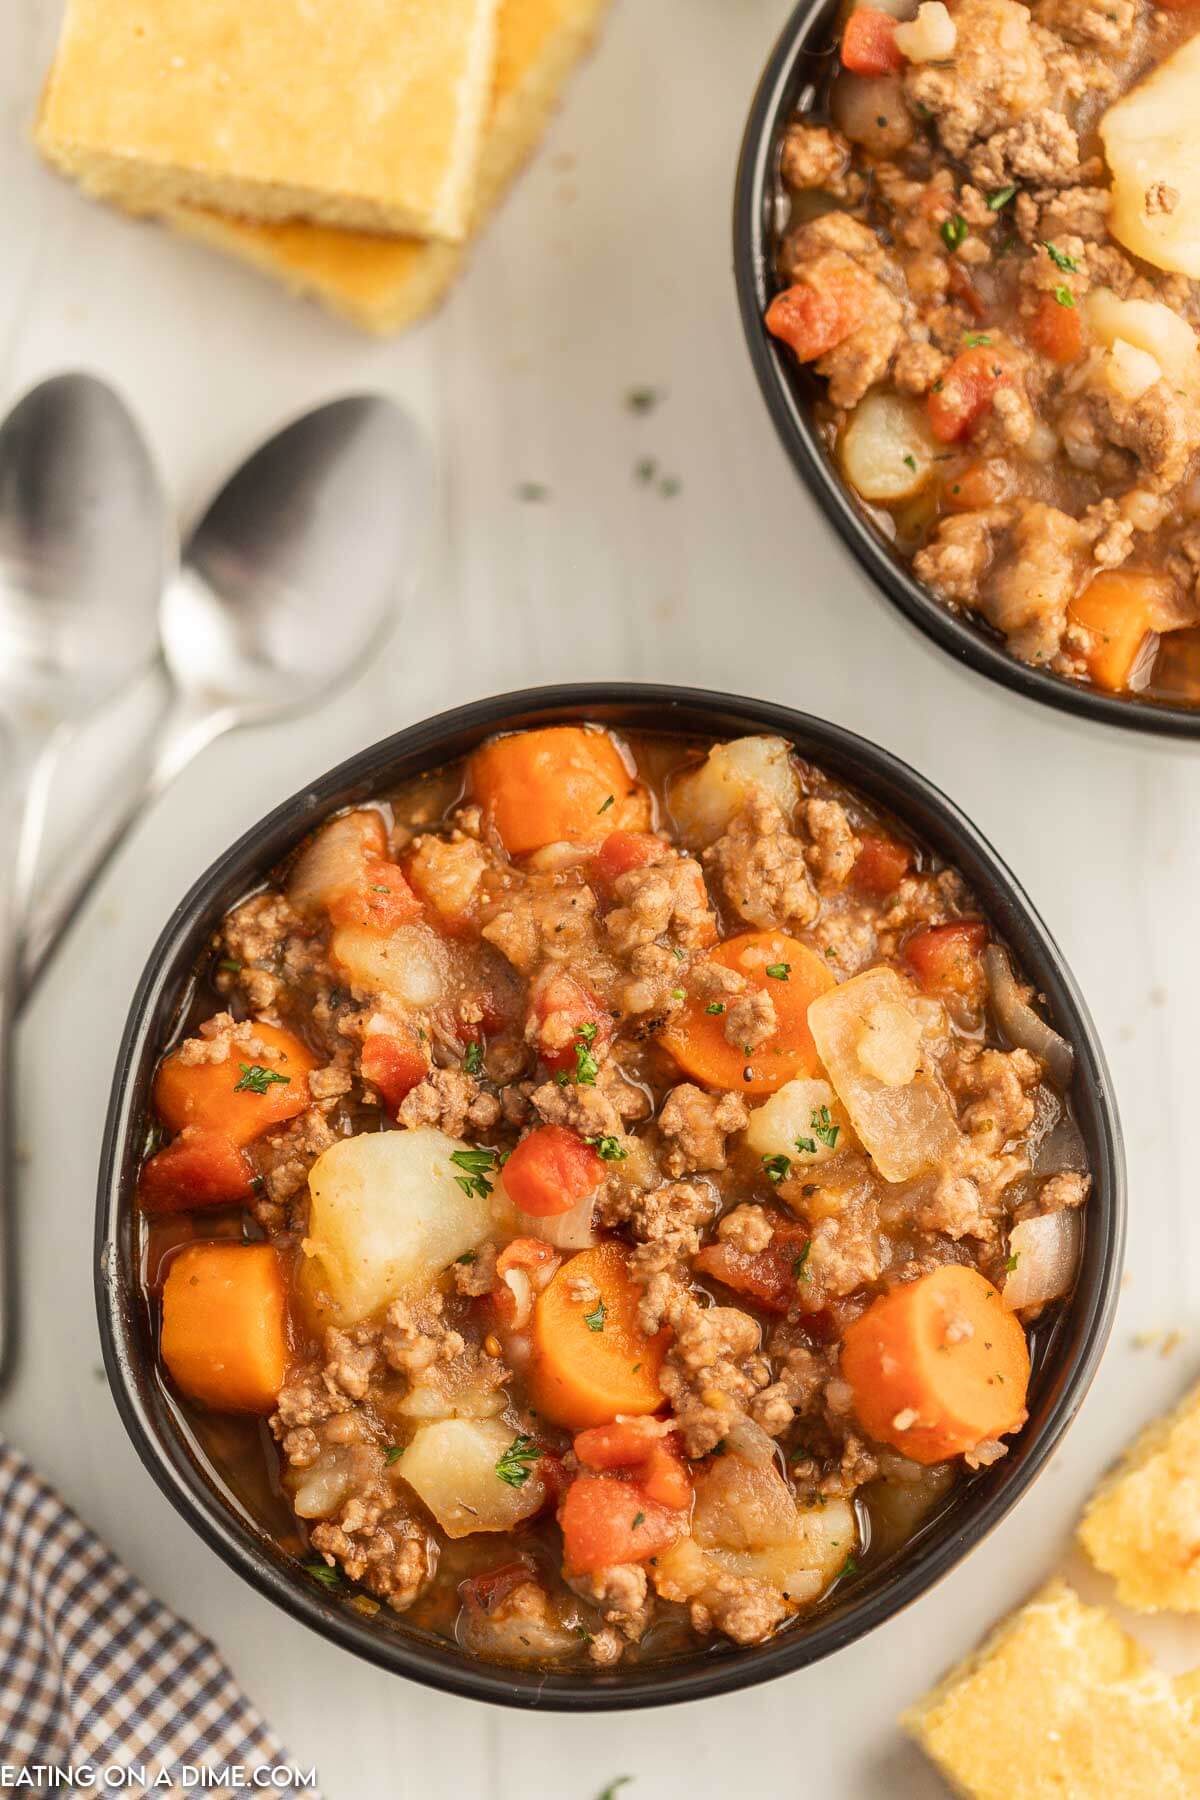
point(609, 269)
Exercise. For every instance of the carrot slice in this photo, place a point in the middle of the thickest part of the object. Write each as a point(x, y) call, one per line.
point(550, 1170)
point(1122, 609)
point(938, 1365)
point(696, 1037)
point(590, 1360)
point(559, 785)
point(224, 1325)
point(238, 1097)
point(201, 1168)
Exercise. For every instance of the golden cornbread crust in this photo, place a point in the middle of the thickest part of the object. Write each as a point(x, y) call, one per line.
point(1061, 1704)
point(364, 114)
point(1142, 1525)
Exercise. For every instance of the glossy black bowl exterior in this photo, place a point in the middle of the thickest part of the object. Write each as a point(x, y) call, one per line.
point(1064, 1363)
point(796, 71)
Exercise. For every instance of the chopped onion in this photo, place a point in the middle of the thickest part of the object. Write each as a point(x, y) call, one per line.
point(1020, 1024)
point(750, 1441)
point(1046, 1253)
point(522, 1293)
point(566, 1231)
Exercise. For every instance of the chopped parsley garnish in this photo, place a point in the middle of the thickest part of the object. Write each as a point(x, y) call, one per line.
point(256, 1079)
point(231, 965)
point(468, 1256)
point(715, 1006)
point(807, 1146)
point(586, 1066)
point(678, 994)
point(392, 1454)
point(608, 1149)
point(776, 1167)
point(800, 1266)
point(953, 232)
point(1060, 259)
point(380, 887)
point(823, 1127)
point(1000, 197)
point(473, 1060)
point(849, 1567)
point(587, 1032)
point(1064, 296)
point(973, 339)
point(477, 1164)
point(1012, 1262)
point(322, 1574)
point(595, 1320)
point(779, 971)
point(639, 1518)
point(677, 953)
point(606, 805)
point(719, 1448)
point(516, 1465)
point(910, 461)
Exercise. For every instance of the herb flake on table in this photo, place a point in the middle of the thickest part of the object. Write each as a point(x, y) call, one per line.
point(610, 1791)
point(516, 1465)
point(642, 399)
point(256, 1080)
point(532, 491)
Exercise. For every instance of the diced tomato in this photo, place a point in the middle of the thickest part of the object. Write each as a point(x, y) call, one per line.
point(970, 486)
point(881, 864)
point(393, 1062)
point(946, 957)
point(380, 898)
point(964, 393)
point(869, 43)
point(768, 1276)
point(605, 1520)
point(815, 320)
point(550, 1170)
point(652, 1459)
point(1056, 330)
point(482, 1594)
point(625, 850)
point(523, 1268)
point(199, 1168)
point(563, 1011)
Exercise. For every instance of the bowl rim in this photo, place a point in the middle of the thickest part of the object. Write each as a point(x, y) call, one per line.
point(782, 387)
point(162, 1444)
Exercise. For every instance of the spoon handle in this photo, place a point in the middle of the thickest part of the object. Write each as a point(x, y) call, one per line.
point(186, 724)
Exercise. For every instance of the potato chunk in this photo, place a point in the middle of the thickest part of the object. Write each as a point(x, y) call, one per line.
point(387, 1216)
point(1152, 141)
point(1158, 335)
point(792, 1123)
point(452, 1467)
point(706, 799)
point(409, 964)
point(864, 1030)
point(887, 448)
point(747, 1524)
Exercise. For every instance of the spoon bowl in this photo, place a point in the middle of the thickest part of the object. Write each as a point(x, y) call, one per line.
point(288, 578)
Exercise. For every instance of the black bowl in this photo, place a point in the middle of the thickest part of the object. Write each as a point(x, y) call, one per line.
point(797, 71)
point(1065, 1358)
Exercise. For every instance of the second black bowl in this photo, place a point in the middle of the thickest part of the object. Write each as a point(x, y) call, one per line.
point(794, 76)
point(1066, 1357)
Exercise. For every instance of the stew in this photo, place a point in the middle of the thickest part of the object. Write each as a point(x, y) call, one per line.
point(990, 259)
point(602, 1193)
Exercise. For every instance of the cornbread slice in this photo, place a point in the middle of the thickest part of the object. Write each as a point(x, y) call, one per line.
point(365, 114)
point(384, 285)
point(1061, 1704)
point(1142, 1525)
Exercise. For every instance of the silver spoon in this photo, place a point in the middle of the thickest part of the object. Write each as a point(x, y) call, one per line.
point(84, 554)
point(288, 583)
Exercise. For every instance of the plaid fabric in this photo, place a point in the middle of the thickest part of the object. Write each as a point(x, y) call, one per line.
point(94, 1672)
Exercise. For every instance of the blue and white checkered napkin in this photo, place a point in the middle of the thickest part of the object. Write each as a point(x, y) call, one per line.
point(96, 1675)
